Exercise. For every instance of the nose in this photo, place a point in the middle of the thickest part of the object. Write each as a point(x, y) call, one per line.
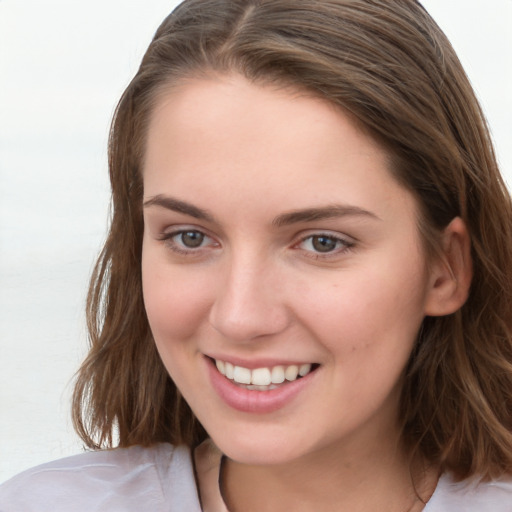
point(249, 303)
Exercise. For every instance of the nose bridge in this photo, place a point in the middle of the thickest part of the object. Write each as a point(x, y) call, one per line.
point(249, 302)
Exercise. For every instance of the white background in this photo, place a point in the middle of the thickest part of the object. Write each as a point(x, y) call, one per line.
point(63, 66)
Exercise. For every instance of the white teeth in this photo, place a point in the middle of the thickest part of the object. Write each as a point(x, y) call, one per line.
point(262, 379)
point(304, 369)
point(291, 372)
point(220, 366)
point(230, 370)
point(277, 375)
point(242, 375)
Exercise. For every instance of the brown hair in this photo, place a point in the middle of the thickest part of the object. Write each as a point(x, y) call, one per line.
point(392, 68)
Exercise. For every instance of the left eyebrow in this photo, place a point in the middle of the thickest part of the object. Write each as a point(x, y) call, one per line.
point(327, 212)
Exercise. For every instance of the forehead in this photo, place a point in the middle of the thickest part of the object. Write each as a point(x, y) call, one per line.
point(226, 136)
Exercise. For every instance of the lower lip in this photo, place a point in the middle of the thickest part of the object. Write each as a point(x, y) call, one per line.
point(253, 401)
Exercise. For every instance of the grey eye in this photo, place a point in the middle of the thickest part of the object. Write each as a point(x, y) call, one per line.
point(191, 239)
point(322, 243)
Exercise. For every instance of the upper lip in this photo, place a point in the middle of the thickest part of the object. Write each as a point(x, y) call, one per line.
point(252, 364)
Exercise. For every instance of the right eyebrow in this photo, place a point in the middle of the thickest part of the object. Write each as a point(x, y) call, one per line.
point(171, 203)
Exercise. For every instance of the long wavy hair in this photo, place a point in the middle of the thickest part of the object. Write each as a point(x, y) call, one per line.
point(393, 69)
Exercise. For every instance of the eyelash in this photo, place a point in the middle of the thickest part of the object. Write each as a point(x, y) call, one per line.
point(345, 244)
point(168, 239)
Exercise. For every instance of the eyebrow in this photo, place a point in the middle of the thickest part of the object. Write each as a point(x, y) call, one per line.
point(325, 212)
point(285, 219)
point(170, 203)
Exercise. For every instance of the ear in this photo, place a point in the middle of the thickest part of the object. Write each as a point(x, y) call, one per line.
point(451, 272)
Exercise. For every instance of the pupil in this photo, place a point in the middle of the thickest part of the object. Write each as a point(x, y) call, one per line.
point(323, 243)
point(192, 239)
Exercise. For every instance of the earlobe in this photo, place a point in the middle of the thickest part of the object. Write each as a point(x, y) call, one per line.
point(451, 273)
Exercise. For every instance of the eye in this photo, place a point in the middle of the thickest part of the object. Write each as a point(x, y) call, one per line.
point(190, 239)
point(323, 243)
point(187, 241)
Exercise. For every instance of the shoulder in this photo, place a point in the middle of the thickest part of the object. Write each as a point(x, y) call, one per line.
point(451, 496)
point(124, 479)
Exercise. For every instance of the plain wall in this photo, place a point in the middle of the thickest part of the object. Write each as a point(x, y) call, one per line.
point(63, 66)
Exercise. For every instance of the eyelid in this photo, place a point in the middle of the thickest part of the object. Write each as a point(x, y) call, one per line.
point(347, 242)
point(166, 236)
point(174, 229)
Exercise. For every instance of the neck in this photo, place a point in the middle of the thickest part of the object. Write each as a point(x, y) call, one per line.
point(337, 478)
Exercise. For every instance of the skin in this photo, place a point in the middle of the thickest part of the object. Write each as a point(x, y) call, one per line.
point(258, 290)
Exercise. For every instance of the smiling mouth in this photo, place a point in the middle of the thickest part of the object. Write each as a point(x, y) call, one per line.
point(266, 378)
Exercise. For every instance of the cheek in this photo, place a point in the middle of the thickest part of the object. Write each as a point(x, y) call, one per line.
point(376, 312)
point(175, 304)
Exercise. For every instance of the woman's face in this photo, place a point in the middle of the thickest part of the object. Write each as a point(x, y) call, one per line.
point(276, 241)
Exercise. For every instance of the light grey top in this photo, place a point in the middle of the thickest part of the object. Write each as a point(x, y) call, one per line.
point(136, 479)
point(161, 478)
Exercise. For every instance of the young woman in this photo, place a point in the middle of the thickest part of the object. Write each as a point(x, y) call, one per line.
point(304, 302)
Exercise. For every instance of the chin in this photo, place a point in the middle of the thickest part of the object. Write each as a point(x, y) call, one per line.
point(249, 449)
